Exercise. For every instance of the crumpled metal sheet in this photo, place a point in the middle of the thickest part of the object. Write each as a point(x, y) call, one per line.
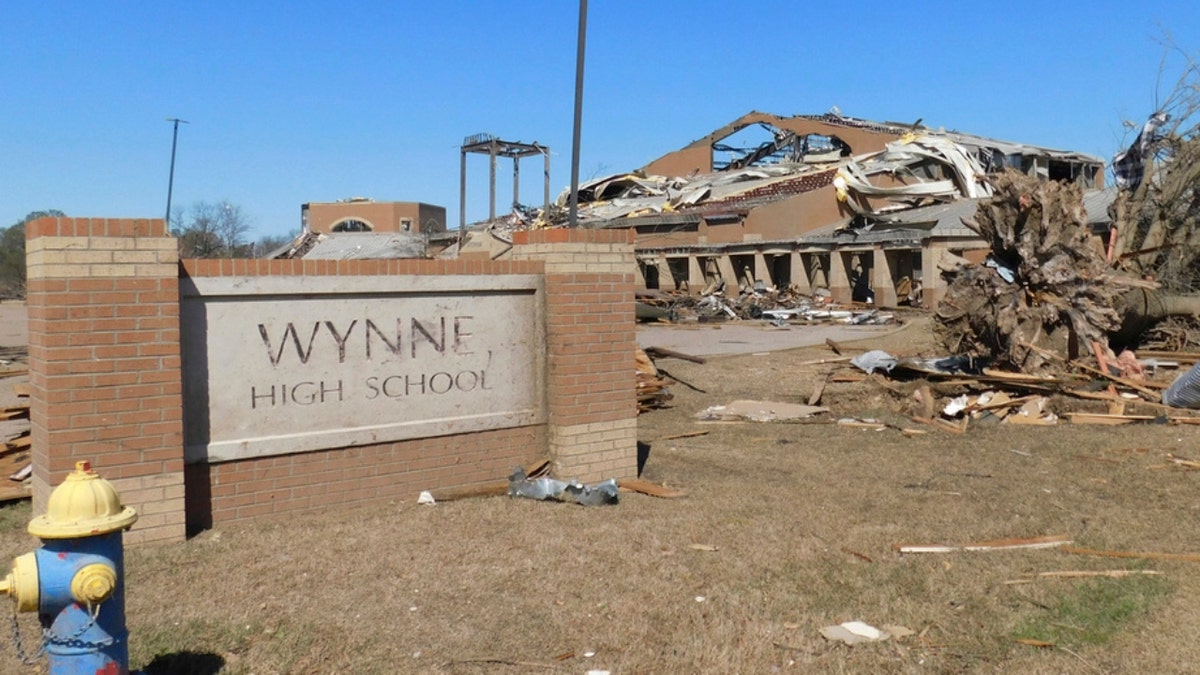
point(598, 494)
point(877, 359)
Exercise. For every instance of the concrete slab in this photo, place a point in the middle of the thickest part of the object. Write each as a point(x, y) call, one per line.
point(748, 337)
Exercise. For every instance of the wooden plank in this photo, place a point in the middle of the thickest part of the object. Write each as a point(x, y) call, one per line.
point(947, 425)
point(689, 434)
point(20, 442)
point(13, 373)
point(10, 464)
point(1146, 555)
point(647, 488)
point(1165, 354)
point(1004, 375)
point(1031, 420)
point(1003, 403)
point(1107, 420)
point(670, 353)
point(848, 377)
point(1183, 461)
point(1105, 396)
point(927, 401)
point(816, 362)
point(859, 424)
point(15, 413)
point(1139, 387)
point(1101, 358)
point(819, 389)
point(22, 389)
point(1047, 541)
point(1084, 574)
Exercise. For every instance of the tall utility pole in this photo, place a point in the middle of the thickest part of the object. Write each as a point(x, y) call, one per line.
point(574, 214)
point(171, 178)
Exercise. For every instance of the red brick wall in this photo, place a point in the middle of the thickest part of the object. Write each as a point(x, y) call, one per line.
point(232, 491)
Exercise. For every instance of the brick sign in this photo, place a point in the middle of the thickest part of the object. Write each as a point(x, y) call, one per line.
point(293, 364)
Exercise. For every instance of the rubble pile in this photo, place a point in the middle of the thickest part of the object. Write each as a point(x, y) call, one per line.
point(652, 391)
point(779, 306)
point(1043, 293)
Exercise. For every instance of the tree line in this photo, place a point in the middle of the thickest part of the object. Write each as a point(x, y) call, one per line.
point(204, 230)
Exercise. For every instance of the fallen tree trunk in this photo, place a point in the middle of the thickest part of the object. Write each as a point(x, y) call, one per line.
point(1141, 308)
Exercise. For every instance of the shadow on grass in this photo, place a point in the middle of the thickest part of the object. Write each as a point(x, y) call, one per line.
point(185, 663)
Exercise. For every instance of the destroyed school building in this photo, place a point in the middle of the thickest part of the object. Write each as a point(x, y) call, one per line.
point(360, 228)
point(865, 210)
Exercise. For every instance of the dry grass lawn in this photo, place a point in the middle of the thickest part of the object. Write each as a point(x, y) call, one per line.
point(786, 528)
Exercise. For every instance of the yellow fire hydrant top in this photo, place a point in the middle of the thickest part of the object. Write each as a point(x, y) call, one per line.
point(83, 505)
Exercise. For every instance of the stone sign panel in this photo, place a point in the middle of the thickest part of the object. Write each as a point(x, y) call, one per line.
point(276, 365)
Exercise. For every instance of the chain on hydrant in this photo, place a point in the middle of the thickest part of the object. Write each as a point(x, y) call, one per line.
point(75, 581)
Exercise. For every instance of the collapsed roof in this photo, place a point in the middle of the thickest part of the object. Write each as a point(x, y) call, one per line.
point(913, 166)
point(352, 246)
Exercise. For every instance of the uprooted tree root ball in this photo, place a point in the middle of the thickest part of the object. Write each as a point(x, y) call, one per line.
point(1060, 297)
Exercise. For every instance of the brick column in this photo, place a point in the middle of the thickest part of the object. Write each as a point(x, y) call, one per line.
point(666, 277)
point(884, 283)
point(799, 273)
point(839, 277)
point(591, 387)
point(762, 272)
point(104, 365)
point(695, 280)
point(933, 284)
point(729, 275)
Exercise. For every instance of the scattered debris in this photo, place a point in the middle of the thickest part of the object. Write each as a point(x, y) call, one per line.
point(652, 389)
point(551, 489)
point(854, 632)
point(878, 359)
point(759, 411)
point(781, 307)
point(426, 498)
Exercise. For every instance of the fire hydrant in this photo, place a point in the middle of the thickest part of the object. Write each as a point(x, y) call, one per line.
point(75, 580)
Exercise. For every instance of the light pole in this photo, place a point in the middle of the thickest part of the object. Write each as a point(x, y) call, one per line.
point(574, 210)
point(171, 178)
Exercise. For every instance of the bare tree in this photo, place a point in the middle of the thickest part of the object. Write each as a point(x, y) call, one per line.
point(269, 243)
point(1158, 217)
point(213, 230)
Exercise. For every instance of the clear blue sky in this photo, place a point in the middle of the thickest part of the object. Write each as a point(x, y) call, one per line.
point(291, 102)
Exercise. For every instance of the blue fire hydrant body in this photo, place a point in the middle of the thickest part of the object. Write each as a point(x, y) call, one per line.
point(81, 639)
point(75, 581)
